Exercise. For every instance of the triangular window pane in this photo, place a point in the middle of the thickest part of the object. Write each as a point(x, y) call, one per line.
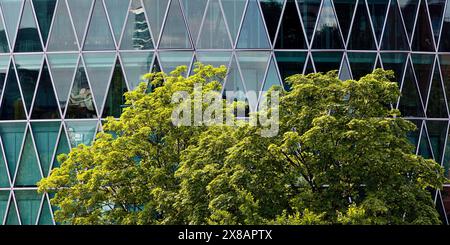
point(215, 58)
point(423, 66)
point(98, 35)
point(290, 63)
point(175, 33)
point(4, 179)
point(327, 61)
point(361, 36)
point(28, 67)
point(156, 10)
point(327, 35)
point(12, 135)
point(44, 10)
point(62, 37)
point(423, 36)
point(437, 131)
point(394, 37)
point(28, 172)
point(377, 9)
point(309, 11)
point(81, 103)
point(29, 203)
point(424, 145)
point(413, 136)
point(361, 63)
point(117, 12)
point(436, 107)
point(290, 34)
point(409, 12)
point(344, 12)
point(309, 66)
point(4, 46)
point(395, 62)
point(81, 132)
point(233, 9)
point(272, 12)
point(12, 218)
point(136, 64)
point(194, 10)
point(272, 78)
point(344, 73)
point(171, 60)
point(436, 8)
point(410, 103)
point(62, 148)
point(444, 60)
point(253, 33)
point(115, 99)
point(4, 197)
point(28, 36)
point(99, 67)
point(45, 103)
point(45, 218)
point(62, 68)
point(156, 67)
point(214, 33)
point(45, 135)
point(80, 10)
point(444, 45)
point(137, 33)
point(12, 107)
point(11, 13)
point(234, 88)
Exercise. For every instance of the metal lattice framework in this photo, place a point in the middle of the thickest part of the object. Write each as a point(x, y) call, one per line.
point(64, 65)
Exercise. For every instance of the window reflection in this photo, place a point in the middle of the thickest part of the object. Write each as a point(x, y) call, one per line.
point(81, 102)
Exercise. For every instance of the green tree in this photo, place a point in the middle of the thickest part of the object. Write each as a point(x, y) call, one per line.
point(342, 156)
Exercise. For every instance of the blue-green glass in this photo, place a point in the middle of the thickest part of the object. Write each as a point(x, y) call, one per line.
point(361, 35)
point(309, 10)
point(272, 78)
point(437, 131)
point(99, 67)
point(423, 35)
point(136, 64)
point(271, 10)
point(344, 12)
point(327, 35)
point(4, 62)
point(45, 103)
point(98, 35)
point(394, 37)
point(79, 11)
point(377, 10)
point(327, 61)
point(28, 39)
point(115, 100)
point(344, 73)
point(436, 107)
point(174, 34)
point(137, 32)
point(436, 10)
point(171, 60)
point(215, 58)
point(81, 132)
point(45, 218)
point(214, 34)
point(45, 135)
point(62, 68)
point(4, 179)
point(4, 197)
point(12, 107)
point(12, 135)
point(28, 170)
point(361, 63)
point(4, 46)
point(44, 10)
point(423, 67)
point(290, 63)
point(11, 13)
point(62, 37)
point(424, 145)
point(117, 12)
point(233, 10)
point(410, 103)
point(290, 34)
point(253, 33)
point(28, 67)
point(194, 10)
point(62, 148)
point(28, 203)
point(12, 218)
point(81, 103)
point(409, 12)
point(156, 10)
point(395, 62)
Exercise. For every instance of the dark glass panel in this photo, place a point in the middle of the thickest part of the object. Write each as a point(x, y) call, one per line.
point(29, 203)
point(12, 218)
point(444, 45)
point(62, 68)
point(45, 135)
point(436, 107)
point(44, 10)
point(290, 63)
point(413, 136)
point(377, 9)
point(344, 12)
point(98, 35)
point(28, 67)
point(409, 12)
point(361, 35)
point(117, 12)
point(45, 218)
point(309, 10)
point(12, 107)
point(4, 47)
point(394, 37)
point(4, 197)
point(214, 34)
point(272, 12)
point(253, 33)
point(436, 10)
point(395, 62)
point(233, 10)
point(361, 63)
point(327, 61)
point(62, 148)
point(446, 193)
point(12, 135)
point(410, 103)
point(437, 131)
point(174, 34)
point(28, 36)
point(45, 103)
point(327, 35)
point(309, 66)
point(444, 60)
point(28, 170)
point(81, 103)
point(423, 66)
point(115, 100)
point(62, 37)
point(423, 36)
point(194, 10)
point(137, 33)
point(424, 145)
point(290, 34)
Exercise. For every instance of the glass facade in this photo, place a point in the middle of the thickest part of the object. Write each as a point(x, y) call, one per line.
point(65, 64)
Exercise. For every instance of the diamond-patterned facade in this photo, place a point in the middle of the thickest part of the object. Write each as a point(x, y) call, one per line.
point(64, 65)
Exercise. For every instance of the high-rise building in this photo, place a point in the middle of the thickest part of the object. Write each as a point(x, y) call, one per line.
point(64, 65)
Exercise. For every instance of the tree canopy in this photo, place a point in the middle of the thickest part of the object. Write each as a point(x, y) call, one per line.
point(341, 156)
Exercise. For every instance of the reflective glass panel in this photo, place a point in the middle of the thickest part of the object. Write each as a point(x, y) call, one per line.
point(361, 63)
point(115, 99)
point(410, 103)
point(81, 103)
point(12, 135)
point(437, 131)
point(194, 10)
point(423, 66)
point(423, 35)
point(327, 34)
point(62, 68)
point(29, 203)
point(137, 33)
point(344, 12)
point(233, 9)
point(44, 10)
point(290, 34)
point(136, 64)
point(28, 67)
point(80, 10)
point(171, 60)
point(253, 33)
point(117, 12)
point(272, 12)
point(327, 61)
point(62, 37)
point(81, 132)
point(436, 107)
point(98, 35)
point(12, 107)
point(156, 10)
point(28, 170)
point(45, 135)
point(214, 34)
point(45, 102)
point(174, 34)
point(309, 10)
point(11, 13)
point(28, 39)
point(361, 35)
